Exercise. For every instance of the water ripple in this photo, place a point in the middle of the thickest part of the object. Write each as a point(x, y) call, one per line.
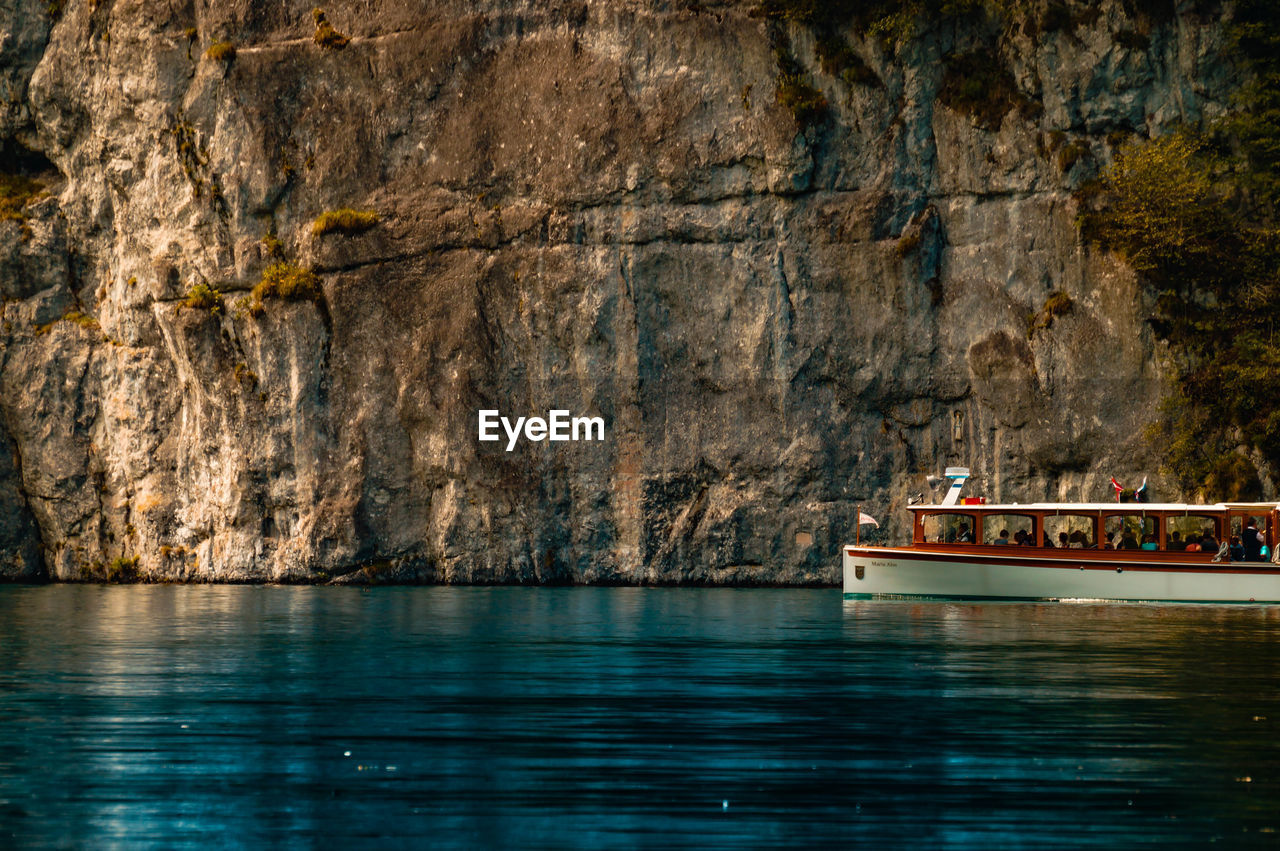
point(183, 717)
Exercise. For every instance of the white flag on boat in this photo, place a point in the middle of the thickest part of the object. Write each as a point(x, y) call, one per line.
point(864, 518)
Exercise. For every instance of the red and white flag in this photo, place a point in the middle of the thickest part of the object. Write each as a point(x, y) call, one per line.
point(1119, 487)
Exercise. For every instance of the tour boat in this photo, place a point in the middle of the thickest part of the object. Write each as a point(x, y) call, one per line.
point(1113, 551)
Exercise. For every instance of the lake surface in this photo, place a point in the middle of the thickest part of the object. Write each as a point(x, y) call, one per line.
point(190, 717)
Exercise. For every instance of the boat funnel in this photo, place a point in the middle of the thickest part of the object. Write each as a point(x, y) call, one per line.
point(957, 475)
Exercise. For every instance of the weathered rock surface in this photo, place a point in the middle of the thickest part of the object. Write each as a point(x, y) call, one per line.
point(597, 207)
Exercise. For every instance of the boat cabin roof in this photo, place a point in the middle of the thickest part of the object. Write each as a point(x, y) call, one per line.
point(1096, 507)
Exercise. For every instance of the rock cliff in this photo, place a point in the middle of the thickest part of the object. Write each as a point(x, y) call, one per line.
point(601, 207)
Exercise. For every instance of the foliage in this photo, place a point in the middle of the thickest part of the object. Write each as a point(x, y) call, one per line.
point(287, 282)
point(1056, 17)
point(244, 374)
point(1200, 455)
point(836, 57)
point(1116, 138)
point(1072, 153)
point(1162, 213)
point(796, 92)
point(907, 244)
point(893, 29)
point(1132, 40)
point(1175, 212)
point(889, 22)
point(1255, 123)
point(85, 321)
point(1195, 214)
point(16, 192)
point(345, 221)
point(203, 297)
point(326, 36)
point(1057, 304)
point(122, 569)
point(978, 85)
point(73, 316)
point(894, 23)
point(975, 83)
point(221, 51)
point(1152, 11)
point(272, 244)
point(808, 106)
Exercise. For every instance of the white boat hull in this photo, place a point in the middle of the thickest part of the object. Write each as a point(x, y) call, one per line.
point(886, 572)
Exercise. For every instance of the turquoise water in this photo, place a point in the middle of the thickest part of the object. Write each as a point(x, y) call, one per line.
point(185, 717)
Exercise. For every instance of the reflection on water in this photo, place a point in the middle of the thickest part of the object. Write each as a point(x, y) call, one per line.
point(183, 716)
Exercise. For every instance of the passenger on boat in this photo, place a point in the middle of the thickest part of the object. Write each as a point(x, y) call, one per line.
point(1149, 542)
point(1020, 537)
point(1127, 542)
point(1003, 540)
point(1193, 544)
point(1237, 549)
point(1176, 544)
point(1078, 540)
point(1026, 540)
point(1208, 543)
point(1252, 541)
point(965, 537)
point(1064, 541)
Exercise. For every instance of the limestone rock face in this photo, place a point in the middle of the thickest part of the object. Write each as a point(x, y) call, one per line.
point(595, 207)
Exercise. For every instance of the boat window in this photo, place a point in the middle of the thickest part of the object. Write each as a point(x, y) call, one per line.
point(1238, 525)
point(1190, 529)
point(1129, 532)
point(1070, 530)
point(948, 528)
point(1007, 528)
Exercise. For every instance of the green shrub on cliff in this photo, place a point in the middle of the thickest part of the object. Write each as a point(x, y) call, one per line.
point(272, 245)
point(16, 192)
point(345, 221)
point(203, 297)
point(1057, 304)
point(122, 569)
point(796, 92)
point(326, 36)
point(287, 282)
point(73, 316)
point(1072, 153)
point(807, 105)
point(221, 51)
point(1163, 212)
point(85, 321)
